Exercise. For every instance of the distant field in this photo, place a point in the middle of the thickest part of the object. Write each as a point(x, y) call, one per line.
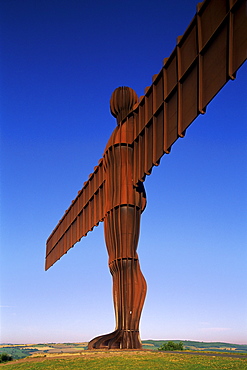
point(200, 346)
point(19, 351)
point(131, 360)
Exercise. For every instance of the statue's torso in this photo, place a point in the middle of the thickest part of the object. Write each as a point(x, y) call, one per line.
point(118, 166)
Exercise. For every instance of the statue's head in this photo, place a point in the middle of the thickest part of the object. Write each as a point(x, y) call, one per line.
point(122, 102)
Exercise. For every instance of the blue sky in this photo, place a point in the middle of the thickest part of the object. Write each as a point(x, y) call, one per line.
point(60, 62)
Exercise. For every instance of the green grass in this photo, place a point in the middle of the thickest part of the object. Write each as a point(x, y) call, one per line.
point(133, 360)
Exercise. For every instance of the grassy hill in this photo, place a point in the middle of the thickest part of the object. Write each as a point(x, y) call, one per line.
point(131, 360)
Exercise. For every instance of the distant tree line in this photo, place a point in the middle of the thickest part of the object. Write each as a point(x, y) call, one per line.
point(171, 346)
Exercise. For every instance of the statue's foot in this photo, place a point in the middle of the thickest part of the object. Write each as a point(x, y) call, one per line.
point(118, 339)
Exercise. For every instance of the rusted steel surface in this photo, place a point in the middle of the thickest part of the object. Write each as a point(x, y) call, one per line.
point(123, 207)
point(85, 212)
point(208, 54)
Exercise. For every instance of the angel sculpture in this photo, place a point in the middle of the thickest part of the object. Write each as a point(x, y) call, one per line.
point(123, 206)
point(204, 59)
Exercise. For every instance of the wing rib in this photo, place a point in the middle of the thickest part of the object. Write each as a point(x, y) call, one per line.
point(204, 59)
point(85, 212)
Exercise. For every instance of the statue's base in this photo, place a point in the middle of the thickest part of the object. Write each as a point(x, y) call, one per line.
point(118, 339)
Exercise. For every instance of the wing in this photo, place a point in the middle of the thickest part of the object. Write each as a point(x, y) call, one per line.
point(208, 54)
point(85, 212)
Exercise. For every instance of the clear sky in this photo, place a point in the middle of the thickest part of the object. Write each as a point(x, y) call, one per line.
point(60, 62)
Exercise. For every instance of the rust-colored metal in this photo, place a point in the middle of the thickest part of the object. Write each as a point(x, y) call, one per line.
point(208, 54)
point(123, 206)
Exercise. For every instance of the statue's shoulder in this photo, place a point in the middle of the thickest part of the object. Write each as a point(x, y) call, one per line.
point(112, 139)
point(123, 134)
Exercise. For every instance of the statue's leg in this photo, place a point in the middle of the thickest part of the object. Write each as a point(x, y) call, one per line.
point(129, 286)
point(129, 290)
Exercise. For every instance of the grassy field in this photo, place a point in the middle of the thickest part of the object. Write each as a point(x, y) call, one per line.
point(148, 360)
